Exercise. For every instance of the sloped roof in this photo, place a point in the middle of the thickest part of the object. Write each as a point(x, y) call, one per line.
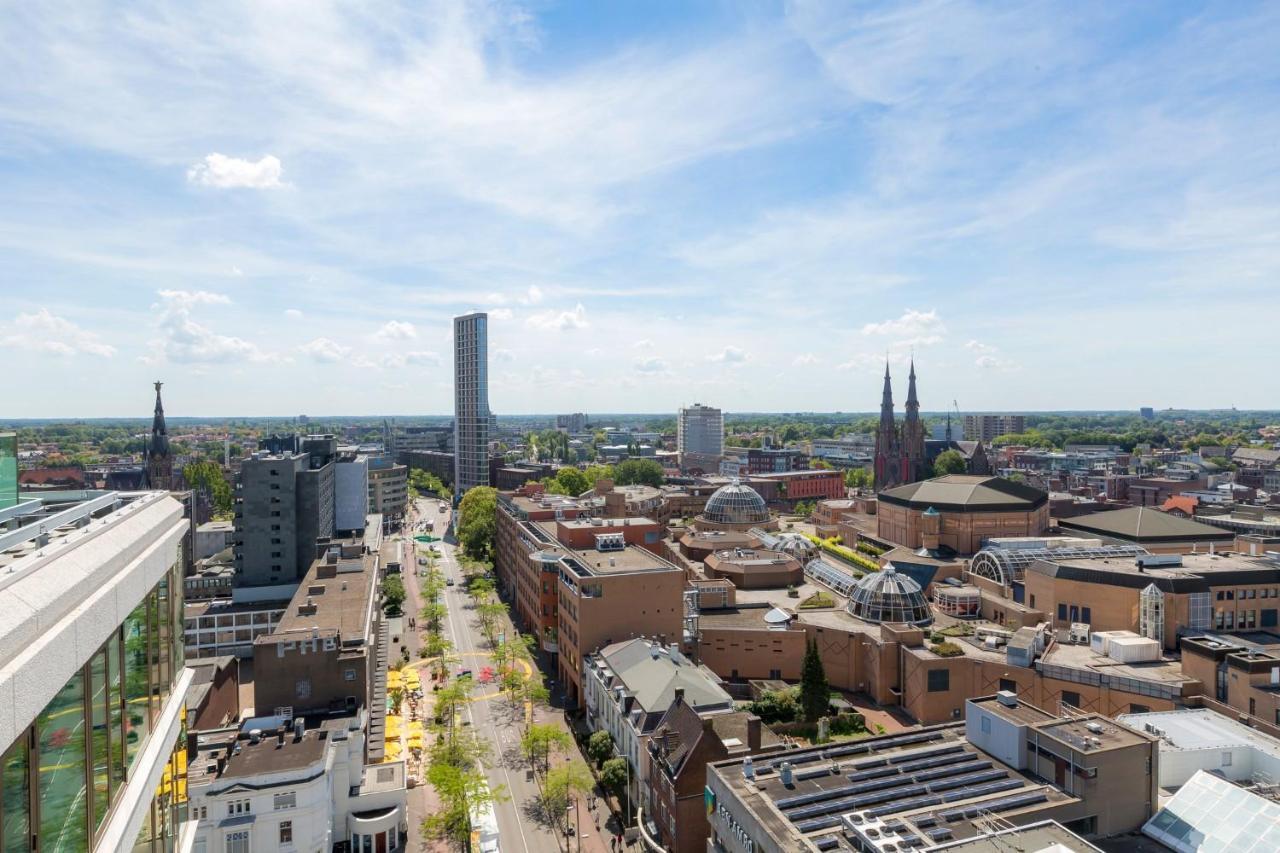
point(1256, 455)
point(1145, 524)
point(967, 493)
point(653, 680)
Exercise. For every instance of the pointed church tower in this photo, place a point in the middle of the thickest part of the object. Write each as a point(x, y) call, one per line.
point(159, 465)
point(913, 460)
point(888, 469)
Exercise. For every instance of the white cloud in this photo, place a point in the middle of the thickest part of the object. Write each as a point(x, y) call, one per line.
point(325, 350)
point(236, 271)
point(396, 330)
point(652, 366)
point(219, 170)
point(502, 315)
point(549, 321)
point(913, 327)
point(988, 357)
point(504, 355)
point(643, 343)
point(293, 314)
point(533, 296)
point(49, 333)
point(414, 357)
point(806, 359)
point(186, 341)
point(730, 355)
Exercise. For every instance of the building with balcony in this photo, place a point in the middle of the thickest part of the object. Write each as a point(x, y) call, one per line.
point(91, 644)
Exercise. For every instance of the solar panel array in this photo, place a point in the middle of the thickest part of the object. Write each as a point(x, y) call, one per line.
point(850, 749)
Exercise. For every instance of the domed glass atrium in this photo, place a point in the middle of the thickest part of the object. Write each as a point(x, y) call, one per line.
point(886, 596)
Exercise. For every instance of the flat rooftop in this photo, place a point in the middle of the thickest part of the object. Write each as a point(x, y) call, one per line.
point(586, 562)
point(1194, 729)
point(924, 786)
point(336, 595)
point(49, 521)
point(1044, 837)
point(543, 503)
point(605, 523)
point(1191, 572)
point(230, 754)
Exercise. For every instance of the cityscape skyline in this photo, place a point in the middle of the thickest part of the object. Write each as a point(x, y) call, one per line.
point(1024, 198)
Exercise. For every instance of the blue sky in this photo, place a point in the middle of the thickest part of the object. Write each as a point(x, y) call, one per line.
point(277, 207)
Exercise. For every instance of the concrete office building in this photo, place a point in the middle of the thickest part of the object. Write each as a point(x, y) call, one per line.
point(388, 488)
point(284, 504)
point(470, 402)
point(91, 642)
point(984, 428)
point(322, 655)
point(933, 786)
point(350, 492)
point(700, 437)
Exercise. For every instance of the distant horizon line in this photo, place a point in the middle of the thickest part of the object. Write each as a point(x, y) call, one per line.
point(648, 415)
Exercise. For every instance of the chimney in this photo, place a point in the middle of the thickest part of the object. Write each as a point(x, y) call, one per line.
point(753, 733)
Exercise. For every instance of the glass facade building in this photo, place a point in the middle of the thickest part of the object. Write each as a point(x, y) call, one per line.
point(92, 745)
point(8, 469)
point(64, 774)
point(471, 418)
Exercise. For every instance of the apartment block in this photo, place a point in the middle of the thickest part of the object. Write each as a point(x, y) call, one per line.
point(984, 428)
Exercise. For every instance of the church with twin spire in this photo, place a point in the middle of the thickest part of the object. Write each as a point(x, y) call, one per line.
point(900, 449)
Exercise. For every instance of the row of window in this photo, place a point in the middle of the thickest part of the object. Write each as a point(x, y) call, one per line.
point(60, 778)
point(1242, 594)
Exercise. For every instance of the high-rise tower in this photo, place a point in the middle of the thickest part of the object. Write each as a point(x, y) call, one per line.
point(159, 467)
point(470, 402)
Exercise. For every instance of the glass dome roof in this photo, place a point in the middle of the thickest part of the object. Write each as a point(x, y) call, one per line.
point(736, 504)
point(796, 545)
point(886, 596)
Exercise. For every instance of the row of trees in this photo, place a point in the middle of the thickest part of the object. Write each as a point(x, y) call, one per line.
point(423, 482)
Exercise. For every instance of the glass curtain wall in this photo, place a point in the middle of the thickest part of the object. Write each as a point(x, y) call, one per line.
point(60, 779)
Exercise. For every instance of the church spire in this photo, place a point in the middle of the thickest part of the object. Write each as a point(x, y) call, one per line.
point(159, 464)
point(886, 400)
point(913, 403)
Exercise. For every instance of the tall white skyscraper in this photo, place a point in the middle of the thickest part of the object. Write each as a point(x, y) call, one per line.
point(470, 401)
point(700, 436)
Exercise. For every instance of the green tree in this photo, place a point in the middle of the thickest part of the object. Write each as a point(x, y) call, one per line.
point(600, 747)
point(597, 472)
point(541, 741)
point(776, 706)
point(462, 792)
point(206, 475)
point(858, 478)
point(638, 472)
point(949, 462)
point(820, 464)
point(614, 774)
point(815, 693)
point(477, 522)
point(567, 481)
point(563, 784)
point(393, 594)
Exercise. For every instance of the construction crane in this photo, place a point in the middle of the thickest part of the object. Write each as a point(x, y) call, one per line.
point(956, 407)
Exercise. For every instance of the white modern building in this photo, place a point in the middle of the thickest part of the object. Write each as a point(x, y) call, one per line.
point(471, 419)
point(700, 436)
point(1195, 739)
point(629, 685)
point(279, 783)
point(92, 674)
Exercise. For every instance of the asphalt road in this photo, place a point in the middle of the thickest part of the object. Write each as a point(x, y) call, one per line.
point(494, 721)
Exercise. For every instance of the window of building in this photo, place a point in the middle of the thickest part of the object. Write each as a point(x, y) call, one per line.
point(286, 832)
point(284, 801)
point(1226, 759)
point(1086, 615)
point(1071, 697)
point(349, 674)
point(939, 680)
point(986, 725)
point(1062, 612)
point(238, 842)
point(1135, 708)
